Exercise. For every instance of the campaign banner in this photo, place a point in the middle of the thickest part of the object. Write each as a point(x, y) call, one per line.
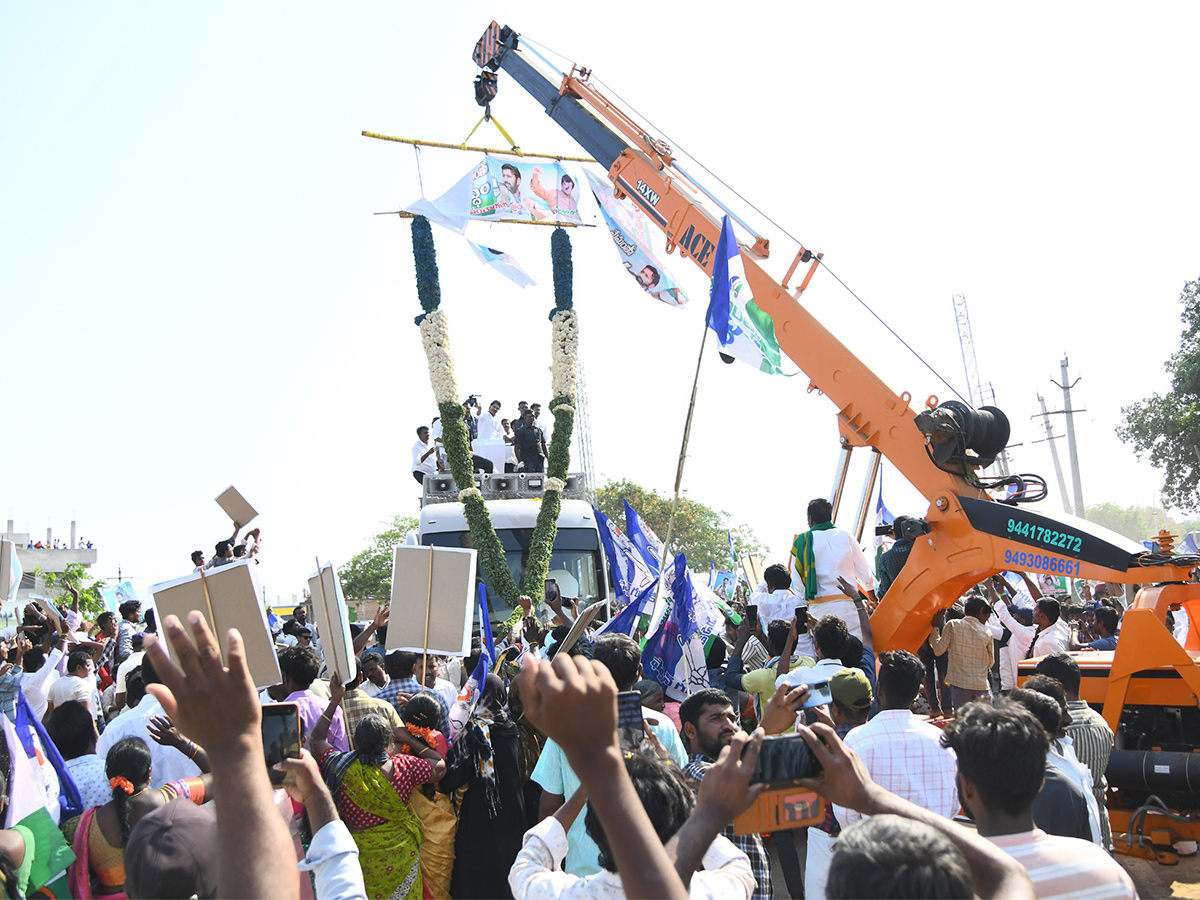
point(511, 189)
point(627, 227)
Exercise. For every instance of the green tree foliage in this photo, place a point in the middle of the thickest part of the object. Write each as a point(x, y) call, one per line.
point(91, 604)
point(368, 576)
point(1166, 429)
point(700, 531)
point(1138, 523)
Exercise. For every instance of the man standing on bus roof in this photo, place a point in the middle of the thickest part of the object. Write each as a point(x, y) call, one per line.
point(819, 557)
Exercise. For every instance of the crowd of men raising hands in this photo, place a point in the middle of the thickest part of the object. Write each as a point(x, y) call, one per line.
point(497, 444)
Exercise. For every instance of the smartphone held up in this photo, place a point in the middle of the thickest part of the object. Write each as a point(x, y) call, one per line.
point(281, 738)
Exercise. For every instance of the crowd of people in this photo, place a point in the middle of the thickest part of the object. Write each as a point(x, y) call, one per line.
point(497, 444)
point(57, 544)
point(414, 780)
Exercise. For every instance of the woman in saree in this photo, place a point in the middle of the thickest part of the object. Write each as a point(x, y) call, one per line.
point(372, 785)
point(436, 811)
point(98, 837)
point(491, 817)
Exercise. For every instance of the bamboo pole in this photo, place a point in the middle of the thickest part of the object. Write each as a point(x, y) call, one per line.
point(445, 146)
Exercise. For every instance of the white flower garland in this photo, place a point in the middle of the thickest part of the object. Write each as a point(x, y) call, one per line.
point(469, 492)
point(564, 353)
point(555, 484)
point(562, 407)
point(435, 336)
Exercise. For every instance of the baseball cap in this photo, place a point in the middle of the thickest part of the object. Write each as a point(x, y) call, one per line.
point(850, 688)
point(172, 852)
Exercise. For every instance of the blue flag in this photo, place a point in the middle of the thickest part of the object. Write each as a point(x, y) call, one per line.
point(732, 552)
point(674, 655)
point(464, 706)
point(640, 536)
point(36, 743)
point(630, 573)
point(745, 331)
point(626, 621)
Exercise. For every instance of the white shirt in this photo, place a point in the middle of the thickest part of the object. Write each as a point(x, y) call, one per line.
point(123, 670)
point(167, 763)
point(333, 860)
point(535, 873)
point(36, 685)
point(1055, 639)
point(429, 465)
point(822, 671)
point(1016, 649)
point(778, 605)
point(904, 755)
point(90, 778)
point(1070, 766)
point(836, 553)
point(445, 690)
point(371, 689)
point(490, 428)
point(71, 687)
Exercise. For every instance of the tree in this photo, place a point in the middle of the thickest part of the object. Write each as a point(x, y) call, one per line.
point(91, 604)
point(1139, 523)
point(1166, 429)
point(700, 531)
point(368, 576)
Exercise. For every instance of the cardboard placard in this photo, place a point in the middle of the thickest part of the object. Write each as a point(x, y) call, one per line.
point(232, 601)
point(236, 506)
point(8, 557)
point(752, 569)
point(332, 619)
point(56, 619)
point(587, 615)
point(437, 583)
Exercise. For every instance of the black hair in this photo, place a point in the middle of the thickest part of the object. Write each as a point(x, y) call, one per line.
point(34, 659)
point(1042, 706)
point(128, 758)
point(655, 279)
point(900, 675)
point(372, 659)
point(71, 728)
point(149, 674)
point(889, 857)
point(1001, 749)
point(1063, 668)
point(400, 663)
point(830, 636)
point(105, 617)
point(1109, 618)
point(566, 177)
point(820, 510)
point(221, 547)
point(423, 711)
point(197, 555)
point(495, 403)
point(372, 737)
point(1050, 609)
point(239, 550)
point(151, 621)
point(301, 665)
point(620, 654)
point(974, 606)
point(128, 607)
point(509, 167)
point(665, 794)
point(777, 635)
point(421, 428)
point(852, 653)
point(691, 708)
point(135, 686)
point(76, 659)
point(777, 576)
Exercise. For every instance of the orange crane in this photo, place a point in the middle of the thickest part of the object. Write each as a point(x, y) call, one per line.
point(1149, 687)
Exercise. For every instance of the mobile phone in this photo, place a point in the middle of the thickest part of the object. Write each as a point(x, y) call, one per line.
point(629, 719)
point(801, 620)
point(782, 759)
point(281, 738)
point(752, 617)
point(819, 694)
point(551, 589)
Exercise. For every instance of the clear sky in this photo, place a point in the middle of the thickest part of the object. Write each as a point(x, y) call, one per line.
point(196, 293)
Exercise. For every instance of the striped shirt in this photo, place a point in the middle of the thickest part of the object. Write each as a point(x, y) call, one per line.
point(1065, 868)
point(1093, 743)
point(971, 652)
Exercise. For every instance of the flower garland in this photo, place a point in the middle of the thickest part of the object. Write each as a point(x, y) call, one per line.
point(564, 372)
point(435, 337)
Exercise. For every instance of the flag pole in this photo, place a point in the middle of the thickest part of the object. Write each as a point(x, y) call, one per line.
point(687, 431)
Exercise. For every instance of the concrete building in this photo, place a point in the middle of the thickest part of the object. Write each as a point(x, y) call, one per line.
point(46, 558)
